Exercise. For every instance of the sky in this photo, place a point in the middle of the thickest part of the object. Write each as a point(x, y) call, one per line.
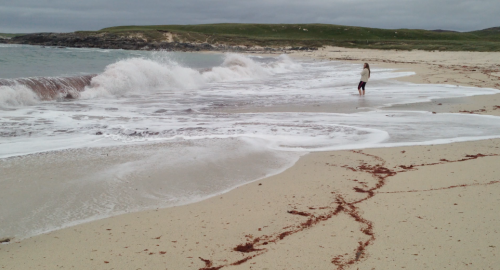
point(29, 16)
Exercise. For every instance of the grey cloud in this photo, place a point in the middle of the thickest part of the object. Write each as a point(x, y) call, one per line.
point(65, 16)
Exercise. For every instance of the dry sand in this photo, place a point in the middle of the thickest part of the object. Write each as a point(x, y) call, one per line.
point(419, 207)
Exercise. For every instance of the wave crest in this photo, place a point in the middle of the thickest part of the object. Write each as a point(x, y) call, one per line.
point(138, 75)
point(29, 91)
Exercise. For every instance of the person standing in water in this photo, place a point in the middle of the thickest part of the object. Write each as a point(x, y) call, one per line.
point(365, 75)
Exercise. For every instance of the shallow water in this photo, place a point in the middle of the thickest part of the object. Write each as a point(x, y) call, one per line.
point(155, 130)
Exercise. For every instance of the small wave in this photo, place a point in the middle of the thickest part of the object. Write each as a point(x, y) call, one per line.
point(239, 67)
point(236, 67)
point(29, 91)
point(11, 45)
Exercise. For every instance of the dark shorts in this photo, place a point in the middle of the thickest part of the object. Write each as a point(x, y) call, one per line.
point(362, 85)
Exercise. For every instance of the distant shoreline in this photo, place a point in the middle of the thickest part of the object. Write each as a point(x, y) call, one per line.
point(264, 37)
point(72, 40)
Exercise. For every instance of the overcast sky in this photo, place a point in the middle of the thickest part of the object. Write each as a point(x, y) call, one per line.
point(25, 16)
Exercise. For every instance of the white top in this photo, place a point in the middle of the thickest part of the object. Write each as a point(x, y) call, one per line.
point(365, 74)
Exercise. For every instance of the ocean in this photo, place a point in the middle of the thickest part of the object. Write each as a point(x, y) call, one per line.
point(89, 133)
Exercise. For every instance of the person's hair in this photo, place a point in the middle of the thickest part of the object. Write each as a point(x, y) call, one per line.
point(368, 67)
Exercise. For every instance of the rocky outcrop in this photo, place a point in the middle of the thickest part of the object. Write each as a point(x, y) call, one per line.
point(107, 40)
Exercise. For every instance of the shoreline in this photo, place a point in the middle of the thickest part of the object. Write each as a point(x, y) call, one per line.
point(327, 205)
point(435, 67)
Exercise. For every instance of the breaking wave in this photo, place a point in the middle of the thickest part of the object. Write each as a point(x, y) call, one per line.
point(135, 76)
point(29, 91)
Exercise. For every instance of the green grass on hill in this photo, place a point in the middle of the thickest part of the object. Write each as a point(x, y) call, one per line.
point(6, 35)
point(319, 35)
point(303, 31)
point(490, 33)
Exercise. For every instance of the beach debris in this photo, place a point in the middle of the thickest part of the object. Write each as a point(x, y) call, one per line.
point(473, 111)
point(359, 190)
point(5, 240)
point(208, 265)
point(246, 248)
point(378, 172)
point(293, 212)
point(358, 254)
point(244, 260)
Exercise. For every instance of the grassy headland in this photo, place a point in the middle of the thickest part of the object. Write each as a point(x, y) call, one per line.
point(7, 35)
point(316, 35)
point(231, 36)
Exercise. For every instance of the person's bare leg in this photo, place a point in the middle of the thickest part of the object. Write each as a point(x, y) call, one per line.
point(359, 90)
point(363, 92)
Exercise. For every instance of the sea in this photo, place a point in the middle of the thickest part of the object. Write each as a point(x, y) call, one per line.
point(87, 134)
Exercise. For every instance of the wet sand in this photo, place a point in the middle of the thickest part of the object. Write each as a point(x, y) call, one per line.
point(419, 207)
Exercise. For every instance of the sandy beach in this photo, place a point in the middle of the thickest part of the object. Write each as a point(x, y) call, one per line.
point(418, 207)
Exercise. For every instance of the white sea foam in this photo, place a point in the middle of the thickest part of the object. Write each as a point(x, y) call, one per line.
point(138, 76)
point(159, 100)
point(17, 95)
point(10, 45)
